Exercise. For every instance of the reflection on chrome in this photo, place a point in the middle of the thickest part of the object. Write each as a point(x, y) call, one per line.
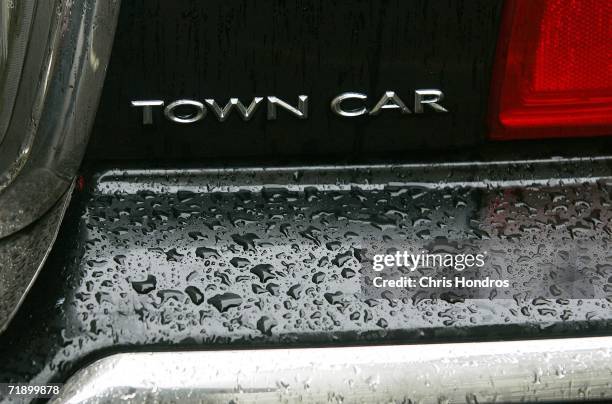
point(508, 372)
point(15, 22)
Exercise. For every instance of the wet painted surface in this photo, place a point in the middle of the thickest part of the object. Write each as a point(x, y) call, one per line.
point(22, 255)
point(172, 261)
point(185, 49)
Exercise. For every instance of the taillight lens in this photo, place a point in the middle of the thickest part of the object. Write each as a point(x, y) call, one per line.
point(553, 73)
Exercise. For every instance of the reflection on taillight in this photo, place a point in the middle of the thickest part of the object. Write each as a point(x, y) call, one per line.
point(553, 73)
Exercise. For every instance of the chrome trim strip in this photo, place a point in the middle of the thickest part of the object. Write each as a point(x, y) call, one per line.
point(486, 372)
point(484, 175)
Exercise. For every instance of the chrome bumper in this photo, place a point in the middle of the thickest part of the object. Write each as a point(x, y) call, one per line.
point(489, 372)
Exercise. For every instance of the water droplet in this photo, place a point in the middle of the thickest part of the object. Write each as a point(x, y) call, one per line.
point(225, 301)
point(144, 287)
point(196, 296)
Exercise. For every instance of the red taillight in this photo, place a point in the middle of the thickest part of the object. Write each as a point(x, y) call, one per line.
point(553, 73)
